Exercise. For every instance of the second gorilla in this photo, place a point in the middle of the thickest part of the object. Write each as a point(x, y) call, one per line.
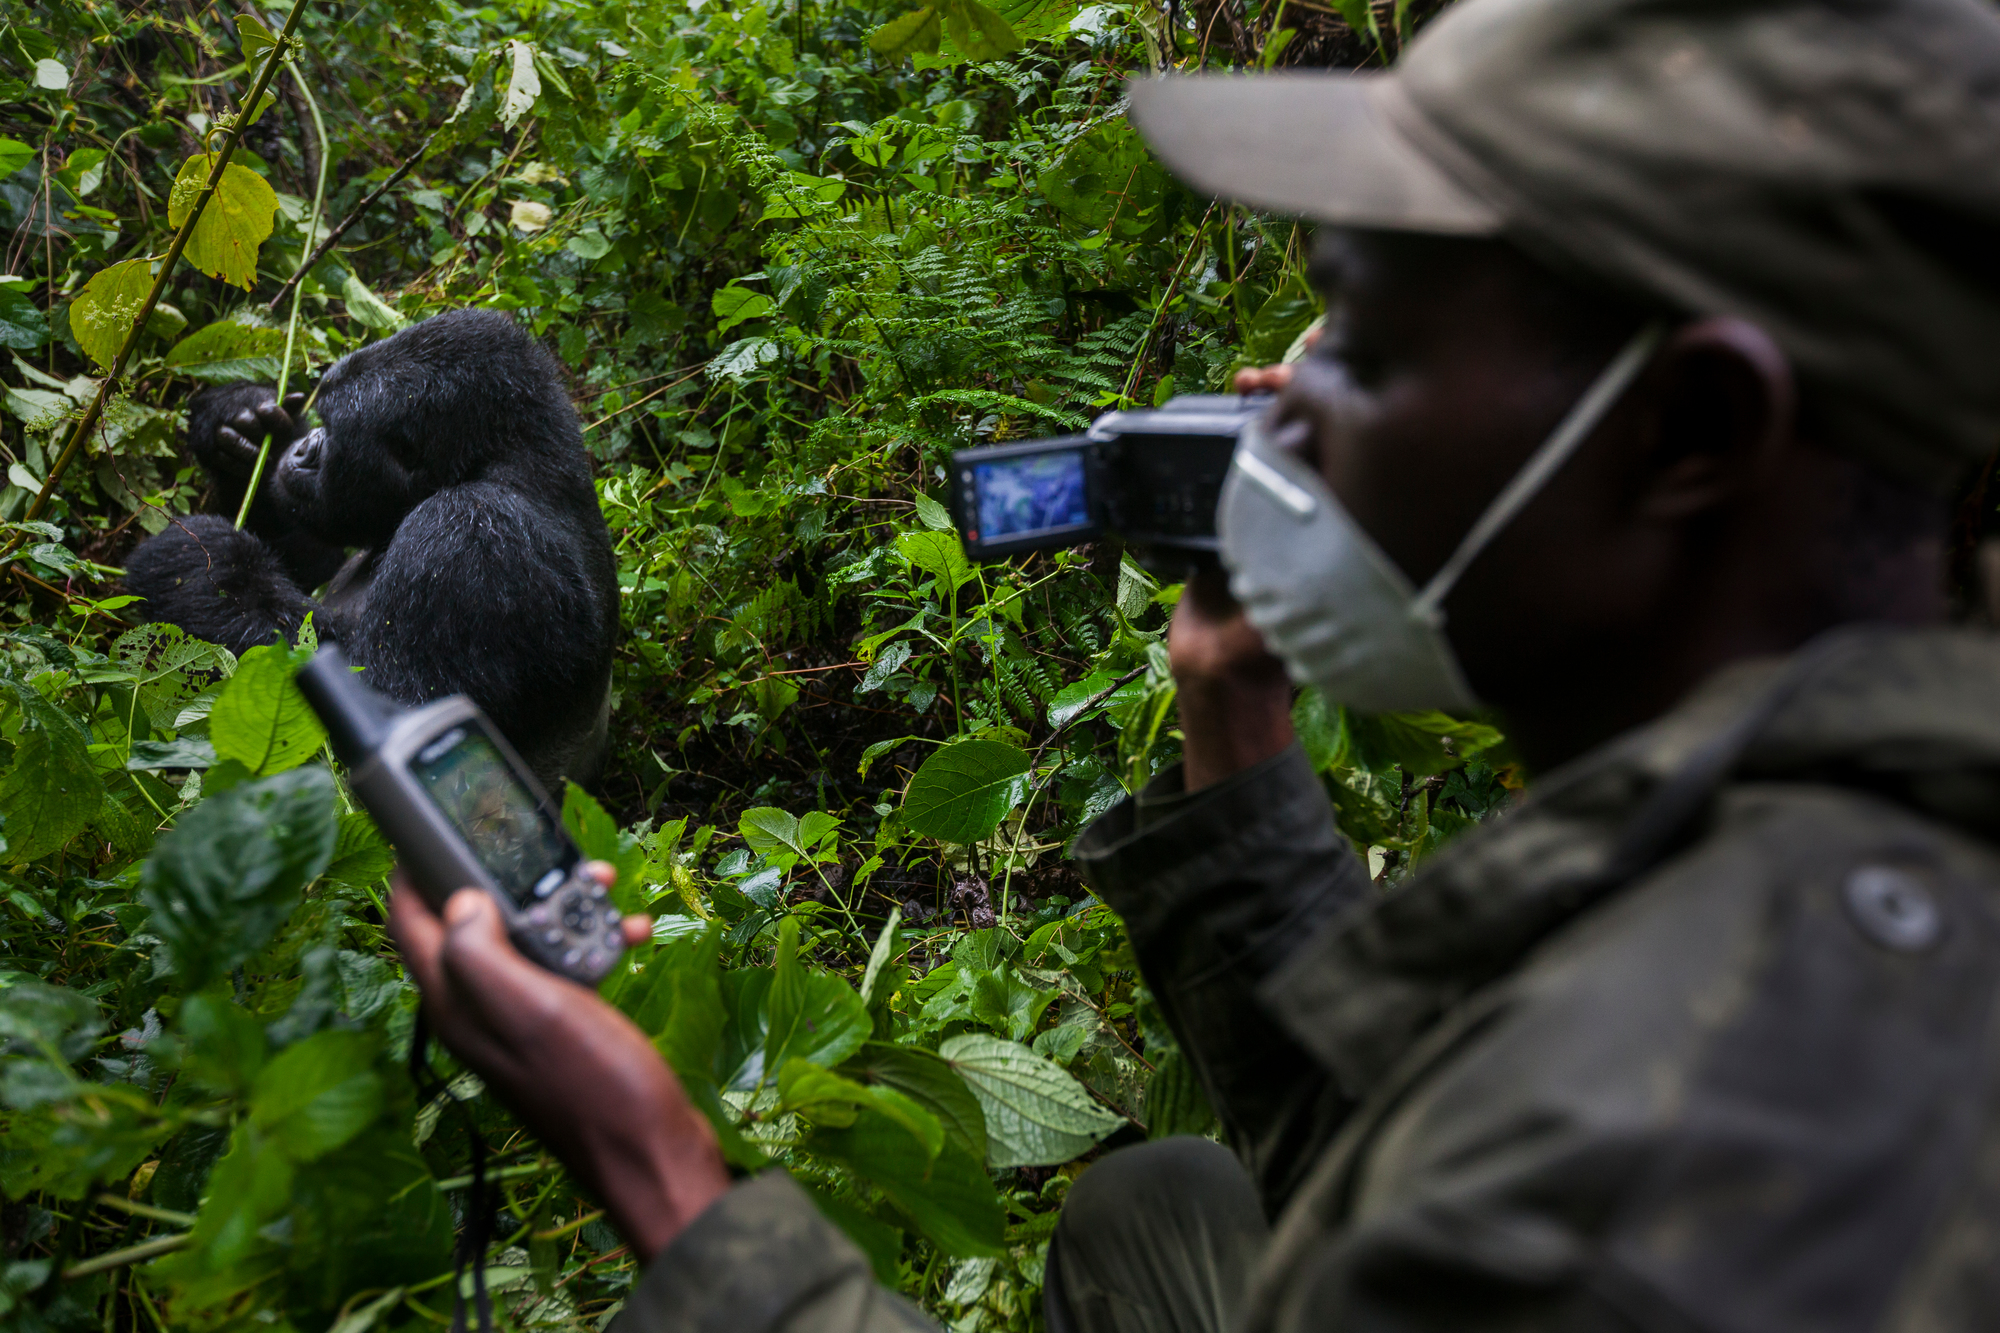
point(450, 456)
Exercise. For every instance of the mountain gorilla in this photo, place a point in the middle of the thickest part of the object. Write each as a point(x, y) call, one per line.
point(450, 456)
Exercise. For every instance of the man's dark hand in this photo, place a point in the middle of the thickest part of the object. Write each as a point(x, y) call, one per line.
point(240, 435)
point(578, 1072)
point(1234, 697)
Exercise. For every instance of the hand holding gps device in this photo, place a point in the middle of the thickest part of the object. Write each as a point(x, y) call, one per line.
point(464, 811)
point(1150, 477)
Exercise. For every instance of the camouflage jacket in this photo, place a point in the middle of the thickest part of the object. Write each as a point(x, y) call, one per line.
point(1699, 1036)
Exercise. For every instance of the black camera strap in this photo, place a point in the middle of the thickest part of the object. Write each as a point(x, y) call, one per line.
point(474, 1236)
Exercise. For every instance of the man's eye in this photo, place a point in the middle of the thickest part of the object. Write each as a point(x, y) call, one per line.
point(1362, 364)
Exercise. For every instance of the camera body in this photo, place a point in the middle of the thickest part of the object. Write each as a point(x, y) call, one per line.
point(464, 811)
point(1150, 477)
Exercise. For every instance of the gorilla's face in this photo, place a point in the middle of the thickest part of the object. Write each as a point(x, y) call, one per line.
point(347, 488)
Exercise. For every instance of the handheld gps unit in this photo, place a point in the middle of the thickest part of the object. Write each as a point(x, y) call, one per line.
point(464, 811)
point(1151, 477)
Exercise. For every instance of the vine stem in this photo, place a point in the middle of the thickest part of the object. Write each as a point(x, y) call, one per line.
point(292, 325)
point(133, 1254)
point(106, 386)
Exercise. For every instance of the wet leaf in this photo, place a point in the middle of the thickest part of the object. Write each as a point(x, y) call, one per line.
point(102, 316)
point(237, 218)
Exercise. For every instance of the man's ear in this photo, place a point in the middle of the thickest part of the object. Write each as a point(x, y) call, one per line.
point(1726, 406)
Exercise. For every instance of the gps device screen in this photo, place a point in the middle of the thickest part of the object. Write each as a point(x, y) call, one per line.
point(507, 829)
point(1032, 493)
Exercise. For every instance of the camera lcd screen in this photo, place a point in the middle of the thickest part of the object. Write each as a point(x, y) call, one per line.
point(1031, 494)
point(503, 823)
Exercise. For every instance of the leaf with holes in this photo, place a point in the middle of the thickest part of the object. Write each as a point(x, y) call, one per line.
point(261, 720)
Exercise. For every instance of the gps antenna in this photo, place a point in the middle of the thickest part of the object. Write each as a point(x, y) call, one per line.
point(357, 718)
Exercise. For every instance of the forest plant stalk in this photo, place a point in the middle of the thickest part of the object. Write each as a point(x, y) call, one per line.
point(292, 325)
point(95, 412)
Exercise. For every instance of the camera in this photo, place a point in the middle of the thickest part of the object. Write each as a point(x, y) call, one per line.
point(1150, 477)
point(464, 811)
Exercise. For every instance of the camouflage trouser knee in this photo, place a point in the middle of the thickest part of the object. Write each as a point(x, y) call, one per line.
point(1157, 1238)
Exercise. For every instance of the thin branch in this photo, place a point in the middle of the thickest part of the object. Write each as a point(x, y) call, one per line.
point(131, 1254)
point(333, 237)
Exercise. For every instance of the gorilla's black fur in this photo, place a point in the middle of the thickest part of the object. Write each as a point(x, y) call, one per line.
point(451, 457)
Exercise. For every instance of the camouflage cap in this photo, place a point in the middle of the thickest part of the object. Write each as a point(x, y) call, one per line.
point(1829, 169)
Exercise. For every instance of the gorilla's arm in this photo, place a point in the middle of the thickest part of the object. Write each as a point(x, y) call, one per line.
point(217, 583)
point(495, 593)
point(226, 427)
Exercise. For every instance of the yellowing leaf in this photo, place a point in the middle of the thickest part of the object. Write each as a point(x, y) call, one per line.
point(527, 215)
point(235, 222)
point(107, 308)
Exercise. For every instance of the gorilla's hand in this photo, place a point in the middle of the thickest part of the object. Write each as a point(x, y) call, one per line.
point(226, 428)
point(216, 583)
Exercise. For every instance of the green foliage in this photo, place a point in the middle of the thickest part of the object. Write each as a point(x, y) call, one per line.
point(792, 255)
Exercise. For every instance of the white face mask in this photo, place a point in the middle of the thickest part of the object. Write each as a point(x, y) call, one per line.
point(1331, 603)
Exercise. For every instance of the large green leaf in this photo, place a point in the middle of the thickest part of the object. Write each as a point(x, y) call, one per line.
point(826, 1098)
point(51, 790)
point(917, 30)
point(950, 1199)
point(783, 839)
point(1106, 176)
point(963, 791)
point(977, 30)
point(364, 1216)
point(938, 554)
point(228, 351)
point(1036, 1115)
point(925, 1078)
point(222, 882)
point(361, 855)
point(811, 1016)
point(315, 1095)
point(261, 720)
point(102, 316)
point(1421, 743)
point(233, 225)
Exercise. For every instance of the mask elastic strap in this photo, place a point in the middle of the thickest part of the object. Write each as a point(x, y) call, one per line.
point(1574, 429)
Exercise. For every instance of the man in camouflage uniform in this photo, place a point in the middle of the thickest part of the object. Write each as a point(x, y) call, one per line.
point(1700, 1036)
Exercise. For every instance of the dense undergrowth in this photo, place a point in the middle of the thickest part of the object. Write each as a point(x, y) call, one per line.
point(787, 274)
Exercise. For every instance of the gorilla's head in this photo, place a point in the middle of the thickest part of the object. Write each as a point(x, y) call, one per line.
point(447, 401)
